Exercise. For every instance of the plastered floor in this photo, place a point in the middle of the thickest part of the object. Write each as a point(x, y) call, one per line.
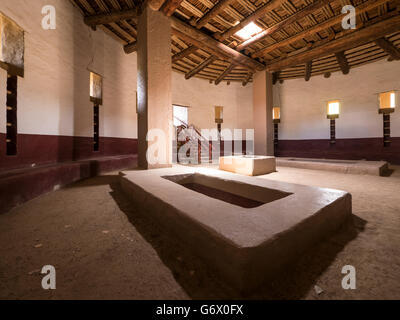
point(102, 248)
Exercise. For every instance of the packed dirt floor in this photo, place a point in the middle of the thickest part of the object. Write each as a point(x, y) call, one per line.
point(103, 248)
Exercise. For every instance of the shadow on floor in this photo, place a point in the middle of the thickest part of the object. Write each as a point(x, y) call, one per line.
point(99, 180)
point(198, 279)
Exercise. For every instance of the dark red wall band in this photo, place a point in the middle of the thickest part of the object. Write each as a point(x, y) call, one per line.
point(49, 149)
point(346, 149)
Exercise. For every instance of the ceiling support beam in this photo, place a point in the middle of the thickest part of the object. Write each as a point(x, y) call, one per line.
point(170, 6)
point(315, 6)
point(259, 13)
point(247, 80)
point(184, 53)
point(200, 39)
point(351, 40)
point(200, 67)
point(225, 73)
point(155, 4)
point(130, 48)
point(366, 6)
point(342, 61)
point(389, 48)
point(218, 8)
point(308, 70)
point(106, 18)
point(275, 77)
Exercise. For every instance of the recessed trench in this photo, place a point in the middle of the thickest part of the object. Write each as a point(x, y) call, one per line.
point(233, 192)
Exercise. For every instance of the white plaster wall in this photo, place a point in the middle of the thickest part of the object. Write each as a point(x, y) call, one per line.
point(303, 103)
point(53, 98)
point(201, 97)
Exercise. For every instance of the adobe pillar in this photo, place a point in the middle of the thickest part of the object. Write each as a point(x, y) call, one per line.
point(154, 88)
point(262, 110)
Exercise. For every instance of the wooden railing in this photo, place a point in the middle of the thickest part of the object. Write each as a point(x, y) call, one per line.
point(200, 140)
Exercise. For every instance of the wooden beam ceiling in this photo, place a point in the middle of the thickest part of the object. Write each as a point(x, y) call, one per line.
point(200, 67)
point(301, 14)
point(259, 13)
point(293, 31)
point(350, 40)
point(107, 18)
point(130, 48)
point(184, 53)
point(170, 6)
point(342, 61)
point(247, 80)
point(200, 39)
point(218, 8)
point(225, 73)
point(366, 6)
point(308, 70)
point(388, 47)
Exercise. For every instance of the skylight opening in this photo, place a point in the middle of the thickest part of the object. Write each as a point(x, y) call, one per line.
point(248, 31)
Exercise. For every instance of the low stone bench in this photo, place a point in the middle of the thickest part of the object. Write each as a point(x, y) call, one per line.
point(21, 185)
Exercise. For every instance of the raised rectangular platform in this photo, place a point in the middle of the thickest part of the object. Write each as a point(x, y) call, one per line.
point(375, 168)
point(247, 229)
point(248, 165)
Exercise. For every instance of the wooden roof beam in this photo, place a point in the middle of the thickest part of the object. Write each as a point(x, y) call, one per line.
point(342, 61)
point(259, 13)
point(247, 80)
point(106, 18)
point(218, 8)
point(130, 48)
point(155, 4)
point(366, 6)
point(349, 41)
point(389, 48)
point(225, 73)
point(217, 48)
point(315, 6)
point(308, 70)
point(200, 67)
point(184, 53)
point(170, 6)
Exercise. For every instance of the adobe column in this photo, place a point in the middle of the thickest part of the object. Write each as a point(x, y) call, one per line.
point(154, 88)
point(262, 112)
